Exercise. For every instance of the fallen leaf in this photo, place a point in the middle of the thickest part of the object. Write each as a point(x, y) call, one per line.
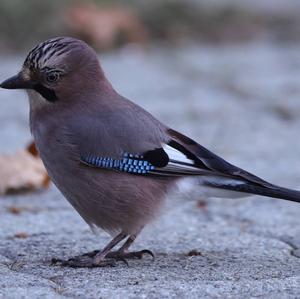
point(14, 210)
point(21, 172)
point(21, 235)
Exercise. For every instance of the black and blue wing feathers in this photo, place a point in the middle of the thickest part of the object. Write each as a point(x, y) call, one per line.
point(181, 157)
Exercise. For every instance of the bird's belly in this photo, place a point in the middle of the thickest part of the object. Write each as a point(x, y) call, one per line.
point(111, 200)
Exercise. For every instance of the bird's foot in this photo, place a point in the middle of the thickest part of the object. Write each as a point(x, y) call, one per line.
point(90, 260)
point(123, 255)
point(84, 261)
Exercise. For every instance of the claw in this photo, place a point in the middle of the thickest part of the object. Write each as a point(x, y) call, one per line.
point(147, 251)
point(87, 260)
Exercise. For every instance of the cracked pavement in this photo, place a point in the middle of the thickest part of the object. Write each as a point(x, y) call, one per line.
point(242, 102)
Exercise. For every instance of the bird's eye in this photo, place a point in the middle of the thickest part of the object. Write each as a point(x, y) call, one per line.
point(53, 77)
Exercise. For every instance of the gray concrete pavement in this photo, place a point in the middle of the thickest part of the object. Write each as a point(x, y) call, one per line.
point(242, 102)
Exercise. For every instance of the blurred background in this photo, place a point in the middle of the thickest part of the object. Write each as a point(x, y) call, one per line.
point(107, 24)
point(224, 72)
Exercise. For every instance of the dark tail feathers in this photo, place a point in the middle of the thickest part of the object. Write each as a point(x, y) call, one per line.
point(275, 192)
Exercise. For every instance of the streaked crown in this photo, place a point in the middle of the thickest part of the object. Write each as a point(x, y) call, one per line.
point(42, 55)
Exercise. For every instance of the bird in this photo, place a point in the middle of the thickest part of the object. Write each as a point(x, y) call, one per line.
point(111, 159)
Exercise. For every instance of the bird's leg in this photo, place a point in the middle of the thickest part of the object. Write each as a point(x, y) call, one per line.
point(106, 257)
point(123, 253)
point(95, 258)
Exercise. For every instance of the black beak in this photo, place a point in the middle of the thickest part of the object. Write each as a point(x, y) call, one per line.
point(16, 82)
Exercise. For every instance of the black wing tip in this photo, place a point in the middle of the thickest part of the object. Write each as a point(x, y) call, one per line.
point(275, 192)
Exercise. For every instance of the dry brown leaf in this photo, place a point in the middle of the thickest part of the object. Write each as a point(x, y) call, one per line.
point(21, 172)
point(21, 235)
point(14, 210)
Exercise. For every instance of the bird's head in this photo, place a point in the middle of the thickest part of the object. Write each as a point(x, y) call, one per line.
point(56, 70)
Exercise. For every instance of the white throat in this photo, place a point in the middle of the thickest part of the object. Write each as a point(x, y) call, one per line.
point(36, 101)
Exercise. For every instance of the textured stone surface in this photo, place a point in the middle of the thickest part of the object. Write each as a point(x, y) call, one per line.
point(243, 103)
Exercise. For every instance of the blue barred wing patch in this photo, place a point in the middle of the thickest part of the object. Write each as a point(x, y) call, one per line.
point(128, 163)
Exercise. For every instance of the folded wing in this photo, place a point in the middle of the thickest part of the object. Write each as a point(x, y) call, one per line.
point(180, 156)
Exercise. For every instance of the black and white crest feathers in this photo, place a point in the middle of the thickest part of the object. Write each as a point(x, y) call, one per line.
point(43, 52)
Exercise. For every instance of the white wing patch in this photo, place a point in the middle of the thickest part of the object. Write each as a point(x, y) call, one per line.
point(203, 182)
point(179, 163)
point(176, 155)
